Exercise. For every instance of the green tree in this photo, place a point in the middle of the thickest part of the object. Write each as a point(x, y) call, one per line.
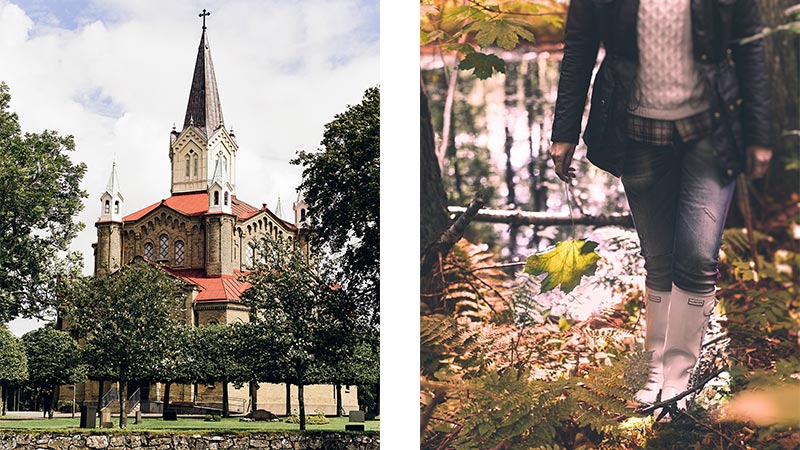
point(39, 196)
point(303, 313)
point(341, 187)
point(13, 363)
point(54, 358)
point(215, 356)
point(179, 364)
point(129, 320)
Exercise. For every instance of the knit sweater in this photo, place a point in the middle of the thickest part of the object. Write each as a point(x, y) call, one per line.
point(669, 85)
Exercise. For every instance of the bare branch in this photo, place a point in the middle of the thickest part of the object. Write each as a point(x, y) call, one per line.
point(450, 235)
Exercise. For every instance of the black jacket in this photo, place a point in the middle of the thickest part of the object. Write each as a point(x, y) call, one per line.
point(735, 76)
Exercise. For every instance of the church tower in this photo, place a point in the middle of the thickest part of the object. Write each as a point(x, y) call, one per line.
point(195, 149)
point(108, 256)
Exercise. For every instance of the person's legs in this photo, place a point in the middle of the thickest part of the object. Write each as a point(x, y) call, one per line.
point(651, 179)
point(702, 206)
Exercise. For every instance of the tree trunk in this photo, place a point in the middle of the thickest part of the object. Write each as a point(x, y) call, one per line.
point(433, 213)
point(253, 396)
point(4, 386)
point(447, 114)
point(167, 387)
point(225, 410)
point(123, 402)
point(434, 218)
point(49, 403)
point(783, 61)
point(302, 405)
point(288, 399)
point(99, 396)
point(338, 393)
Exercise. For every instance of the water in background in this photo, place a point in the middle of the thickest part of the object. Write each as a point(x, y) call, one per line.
point(500, 135)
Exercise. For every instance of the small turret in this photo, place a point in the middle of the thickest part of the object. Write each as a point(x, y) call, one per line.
point(300, 211)
point(111, 200)
point(108, 250)
point(220, 189)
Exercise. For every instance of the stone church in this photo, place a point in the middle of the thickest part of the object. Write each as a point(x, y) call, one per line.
point(202, 234)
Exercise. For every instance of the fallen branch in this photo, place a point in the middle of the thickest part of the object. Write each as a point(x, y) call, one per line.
point(517, 217)
point(671, 401)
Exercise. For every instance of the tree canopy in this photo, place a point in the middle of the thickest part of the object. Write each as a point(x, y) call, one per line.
point(54, 358)
point(304, 315)
point(13, 362)
point(129, 320)
point(215, 351)
point(341, 188)
point(40, 195)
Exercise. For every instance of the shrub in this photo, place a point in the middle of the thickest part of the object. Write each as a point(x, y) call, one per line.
point(317, 419)
point(65, 407)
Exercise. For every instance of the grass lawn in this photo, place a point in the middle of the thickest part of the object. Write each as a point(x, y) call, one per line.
point(194, 423)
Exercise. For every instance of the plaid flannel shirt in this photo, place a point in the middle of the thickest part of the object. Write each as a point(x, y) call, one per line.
point(666, 132)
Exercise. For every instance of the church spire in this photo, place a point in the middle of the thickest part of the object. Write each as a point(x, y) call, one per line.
point(204, 110)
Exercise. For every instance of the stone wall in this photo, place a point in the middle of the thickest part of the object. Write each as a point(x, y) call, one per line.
point(262, 441)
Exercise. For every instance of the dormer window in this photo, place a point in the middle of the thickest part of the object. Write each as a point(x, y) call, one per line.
point(226, 198)
point(216, 198)
point(106, 207)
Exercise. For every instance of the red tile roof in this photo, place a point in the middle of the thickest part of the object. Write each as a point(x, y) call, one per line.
point(196, 204)
point(224, 288)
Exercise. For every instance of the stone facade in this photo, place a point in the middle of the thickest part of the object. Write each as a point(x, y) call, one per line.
point(165, 441)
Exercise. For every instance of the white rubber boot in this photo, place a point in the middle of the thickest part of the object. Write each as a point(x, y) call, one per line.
point(688, 318)
point(656, 314)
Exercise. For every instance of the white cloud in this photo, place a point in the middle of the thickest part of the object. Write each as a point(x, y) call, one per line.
point(120, 78)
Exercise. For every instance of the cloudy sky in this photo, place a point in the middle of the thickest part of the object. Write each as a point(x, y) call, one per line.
point(116, 75)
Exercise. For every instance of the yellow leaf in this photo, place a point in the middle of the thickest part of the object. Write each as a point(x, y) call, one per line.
point(565, 264)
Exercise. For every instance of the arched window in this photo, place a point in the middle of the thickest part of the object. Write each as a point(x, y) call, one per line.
point(163, 248)
point(187, 165)
point(148, 250)
point(302, 214)
point(107, 207)
point(195, 165)
point(116, 207)
point(226, 198)
point(251, 254)
point(213, 322)
point(179, 253)
point(216, 197)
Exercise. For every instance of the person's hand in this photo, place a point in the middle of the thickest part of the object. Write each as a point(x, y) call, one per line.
point(561, 154)
point(758, 158)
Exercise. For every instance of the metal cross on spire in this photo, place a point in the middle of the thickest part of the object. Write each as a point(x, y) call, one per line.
point(203, 15)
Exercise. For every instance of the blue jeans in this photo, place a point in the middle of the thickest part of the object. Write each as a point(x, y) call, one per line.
point(679, 205)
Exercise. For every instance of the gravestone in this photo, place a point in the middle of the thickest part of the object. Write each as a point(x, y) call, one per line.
point(356, 421)
point(356, 416)
point(170, 414)
point(105, 418)
point(138, 419)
